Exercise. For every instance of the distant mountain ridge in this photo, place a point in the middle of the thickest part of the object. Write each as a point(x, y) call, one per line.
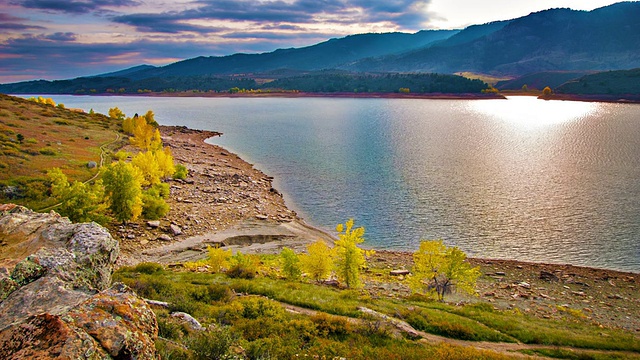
point(331, 54)
point(607, 38)
point(555, 41)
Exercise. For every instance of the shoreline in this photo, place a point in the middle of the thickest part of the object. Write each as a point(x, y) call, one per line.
point(228, 165)
point(225, 201)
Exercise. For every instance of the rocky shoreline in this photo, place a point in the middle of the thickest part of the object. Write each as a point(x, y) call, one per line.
point(226, 201)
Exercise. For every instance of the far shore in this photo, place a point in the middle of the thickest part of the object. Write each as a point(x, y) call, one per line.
point(619, 99)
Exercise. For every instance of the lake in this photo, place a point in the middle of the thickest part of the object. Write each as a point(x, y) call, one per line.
point(524, 179)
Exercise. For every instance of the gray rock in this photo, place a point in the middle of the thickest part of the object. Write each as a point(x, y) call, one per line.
point(47, 299)
point(175, 230)
point(153, 223)
point(189, 320)
point(92, 164)
point(164, 237)
point(399, 272)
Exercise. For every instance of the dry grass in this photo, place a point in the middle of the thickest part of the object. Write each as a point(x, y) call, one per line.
point(36, 137)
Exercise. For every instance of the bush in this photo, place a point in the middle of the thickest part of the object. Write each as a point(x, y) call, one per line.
point(331, 326)
point(153, 207)
point(213, 344)
point(290, 264)
point(47, 151)
point(244, 266)
point(181, 172)
point(148, 268)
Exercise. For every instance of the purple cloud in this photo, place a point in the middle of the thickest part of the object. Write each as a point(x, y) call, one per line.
point(74, 6)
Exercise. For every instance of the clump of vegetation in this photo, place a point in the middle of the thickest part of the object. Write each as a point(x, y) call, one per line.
point(181, 172)
point(349, 257)
point(439, 270)
point(290, 264)
point(243, 266)
point(318, 261)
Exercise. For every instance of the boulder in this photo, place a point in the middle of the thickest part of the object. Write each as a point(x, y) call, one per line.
point(115, 323)
point(55, 294)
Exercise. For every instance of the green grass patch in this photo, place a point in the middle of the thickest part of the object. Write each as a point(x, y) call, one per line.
point(475, 322)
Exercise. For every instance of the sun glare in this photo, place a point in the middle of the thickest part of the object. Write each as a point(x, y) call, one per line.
point(531, 112)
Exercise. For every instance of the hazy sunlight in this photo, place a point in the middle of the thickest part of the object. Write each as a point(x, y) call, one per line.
point(530, 112)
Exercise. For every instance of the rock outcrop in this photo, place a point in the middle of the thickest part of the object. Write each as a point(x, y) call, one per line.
point(56, 298)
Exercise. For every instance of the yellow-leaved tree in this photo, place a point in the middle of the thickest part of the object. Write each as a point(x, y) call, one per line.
point(116, 114)
point(318, 261)
point(348, 256)
point(218, 259)
point(144, 135)
point(148, 166)
point(164, 159)
point(438, 270)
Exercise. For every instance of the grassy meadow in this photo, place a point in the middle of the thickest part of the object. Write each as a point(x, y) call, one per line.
point(35, 137)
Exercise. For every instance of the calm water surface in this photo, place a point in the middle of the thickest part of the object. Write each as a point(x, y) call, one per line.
point(526, 179)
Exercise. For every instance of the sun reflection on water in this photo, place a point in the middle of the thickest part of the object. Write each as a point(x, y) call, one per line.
point(531, 112)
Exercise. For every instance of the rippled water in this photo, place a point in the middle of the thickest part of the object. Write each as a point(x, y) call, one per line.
point(526, 179)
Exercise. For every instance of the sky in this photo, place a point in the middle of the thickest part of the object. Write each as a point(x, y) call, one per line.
point(61, 39)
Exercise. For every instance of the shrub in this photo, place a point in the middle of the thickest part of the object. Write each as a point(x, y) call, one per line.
point(244, 266)
point(331, 326)
point(149, 268)
point(213, 344)
point(290, 264)
point(47, 151)
point(181, 172)
point(154, 208)
point(218, 258)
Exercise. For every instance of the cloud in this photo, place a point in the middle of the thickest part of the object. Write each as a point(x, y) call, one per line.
point(405, 14)
point(74, 6)
point(163, 23)
point(9, 22)
point(60, 36)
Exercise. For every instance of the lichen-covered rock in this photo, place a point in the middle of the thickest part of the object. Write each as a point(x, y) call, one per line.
point(54, 263)
point(114, 324)
point(121, 322)
point(27, 271)
point(47, 336)
point(55, 294)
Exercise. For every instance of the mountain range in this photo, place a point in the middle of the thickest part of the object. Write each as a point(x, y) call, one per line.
point(562, 41)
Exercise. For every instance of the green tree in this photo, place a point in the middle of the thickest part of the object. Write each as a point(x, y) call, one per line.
point(525, 87)
point(349, 257)
point(318, 261)
point(439, 269)
point(290, 264)
point(122, 186)
point(79, 202)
